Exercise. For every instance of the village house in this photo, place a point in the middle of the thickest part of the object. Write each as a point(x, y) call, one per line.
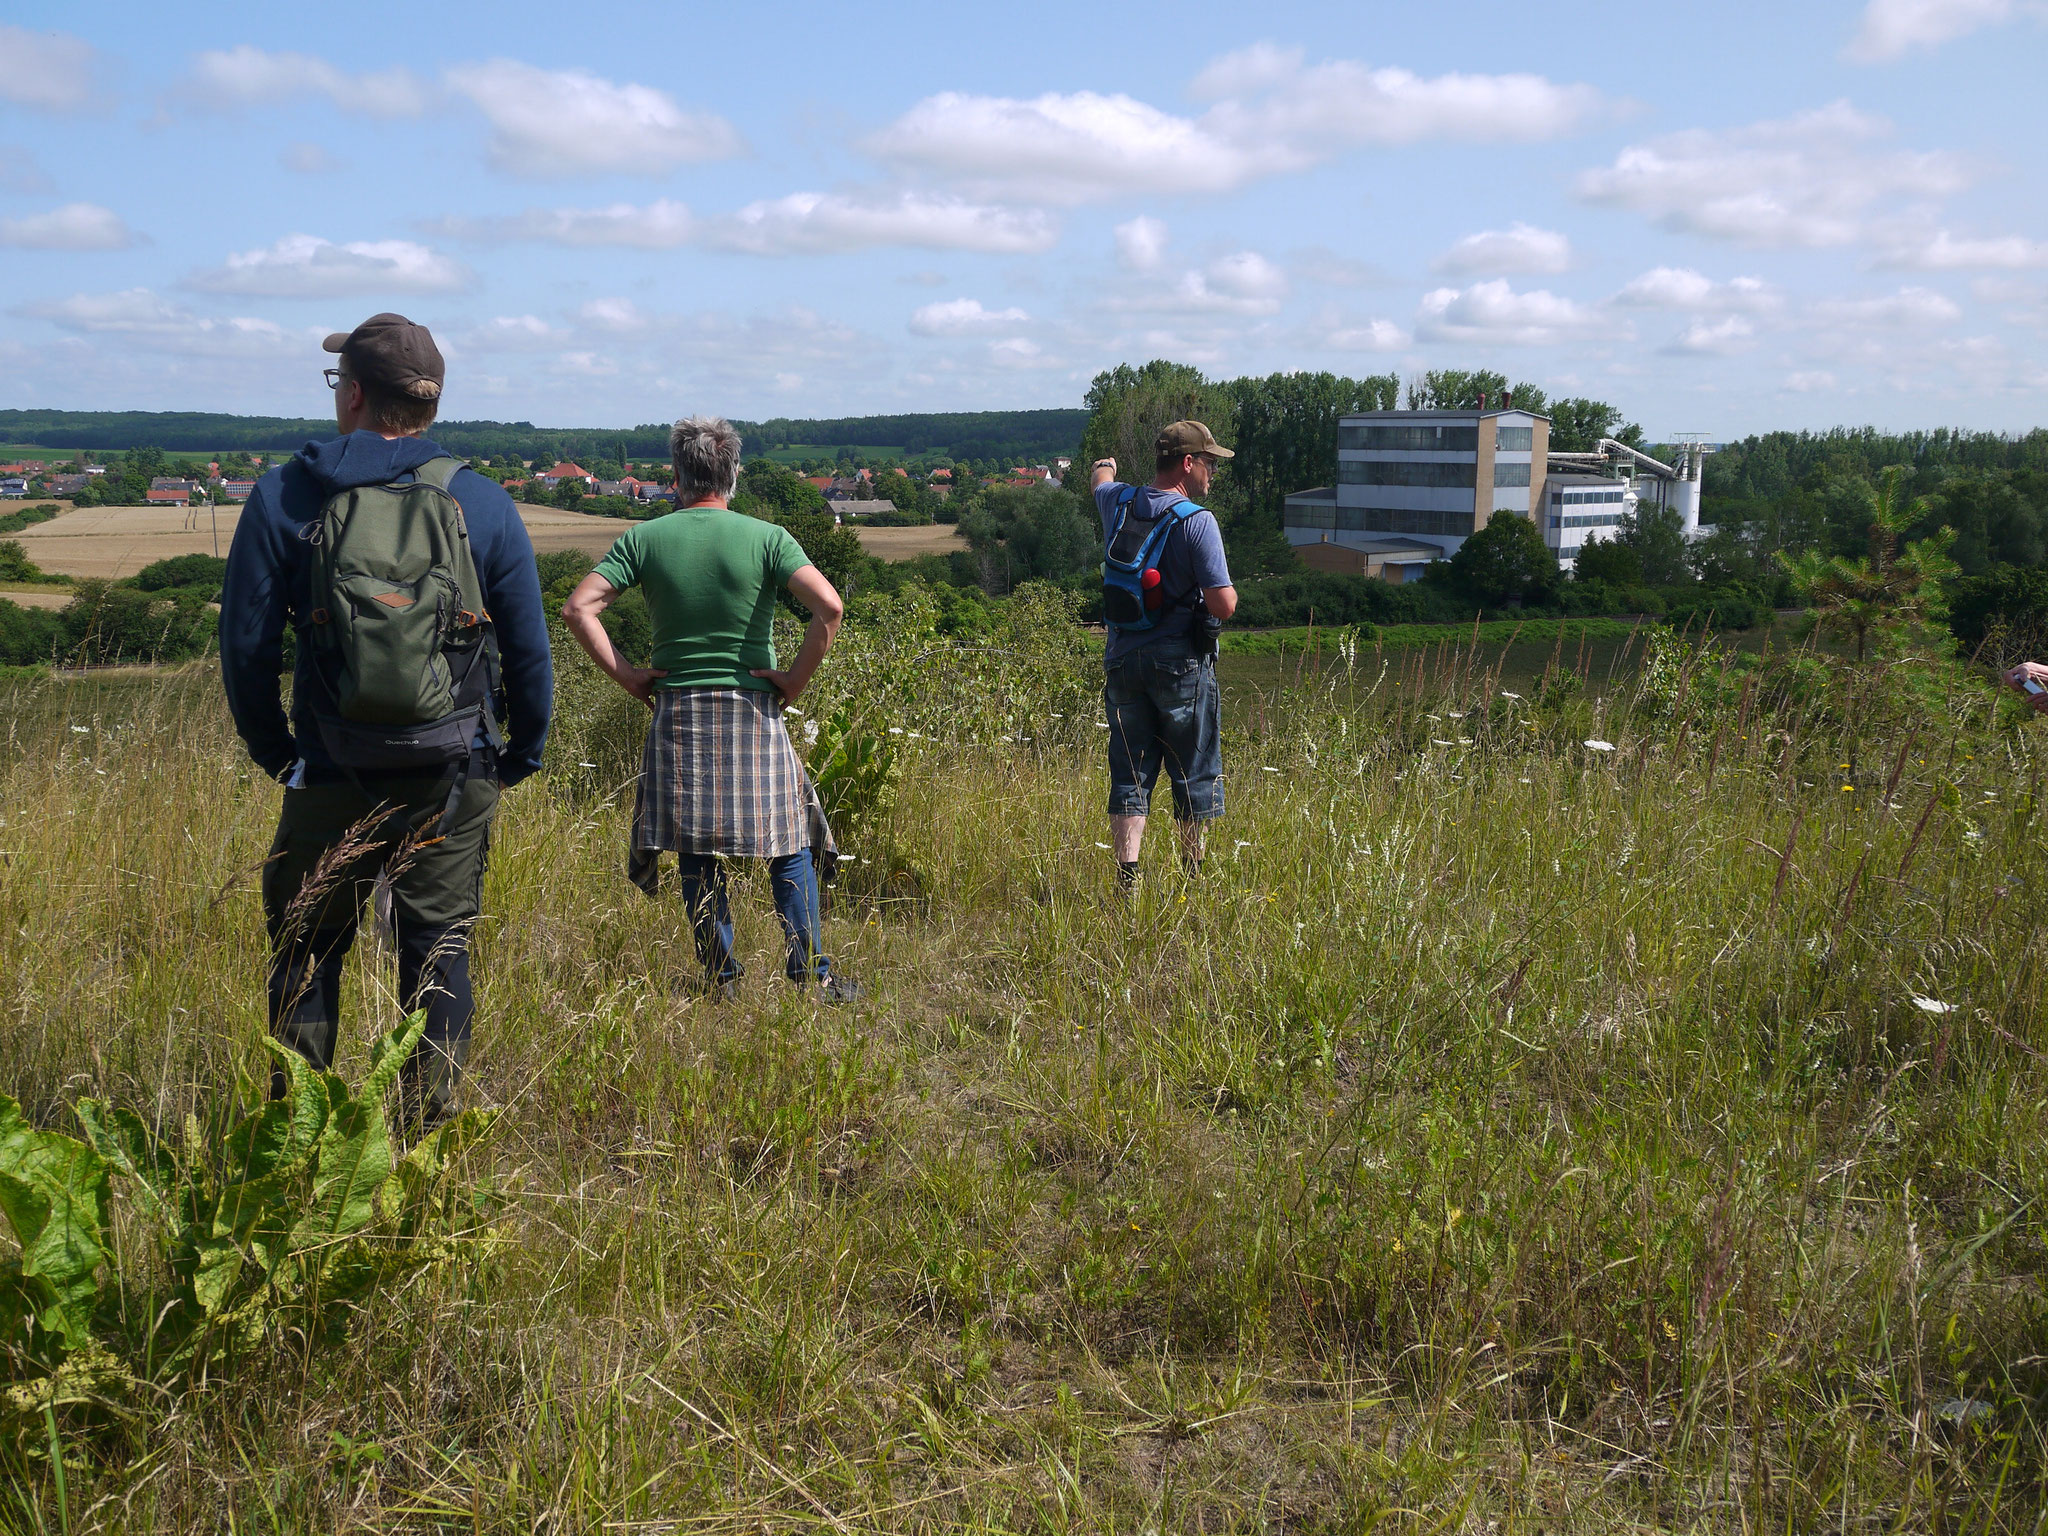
point(554, 478)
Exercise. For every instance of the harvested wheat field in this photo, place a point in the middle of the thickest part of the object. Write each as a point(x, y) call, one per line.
point(909, 543)
point(111, 542)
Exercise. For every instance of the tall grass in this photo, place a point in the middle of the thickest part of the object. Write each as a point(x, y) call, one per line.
point(1504, 1133)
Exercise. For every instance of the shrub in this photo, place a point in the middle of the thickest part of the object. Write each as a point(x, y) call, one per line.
point(182, 571)
point(15, 564)
point(2003, 610)
point(30, 636)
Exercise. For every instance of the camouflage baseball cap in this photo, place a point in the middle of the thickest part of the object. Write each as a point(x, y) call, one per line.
point(391, 352)
point(1183, 437)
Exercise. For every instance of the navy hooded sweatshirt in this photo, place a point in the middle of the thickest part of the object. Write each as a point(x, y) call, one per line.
point(267, 589)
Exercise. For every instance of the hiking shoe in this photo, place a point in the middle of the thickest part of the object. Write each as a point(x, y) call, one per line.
point(836, 988)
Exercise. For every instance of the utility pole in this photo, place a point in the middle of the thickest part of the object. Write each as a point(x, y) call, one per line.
point(213, 508)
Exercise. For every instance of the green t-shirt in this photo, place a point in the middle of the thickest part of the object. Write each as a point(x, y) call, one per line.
point(711, 577)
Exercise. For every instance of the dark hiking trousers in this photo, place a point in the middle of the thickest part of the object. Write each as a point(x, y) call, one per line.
point(333, 840)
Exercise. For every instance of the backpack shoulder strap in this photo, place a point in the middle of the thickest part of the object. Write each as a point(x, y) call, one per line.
point(439, 472)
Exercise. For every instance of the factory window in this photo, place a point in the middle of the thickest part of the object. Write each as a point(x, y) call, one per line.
point(1406, 520)
point(1593, 520)
point(1407, 472)
point(1577, 498)
point(1411, 437)
point(1510, 474)
point(1516, 439)
point(1314, 514)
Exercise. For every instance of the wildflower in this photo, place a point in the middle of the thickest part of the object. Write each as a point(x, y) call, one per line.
point(1102, 725)
point(1521, 781)
point(1241, 843)
point(1457, 714)
point(1932, 1005)
point(791, 709)
point(810, 733)
point(895, 730)
point(83, 730)
point(1848, 789)
point(1059, 717)
point(1599, 746)
point(1506, 695)
point(1264, 769)
point(585, 765)
point(1102, 845)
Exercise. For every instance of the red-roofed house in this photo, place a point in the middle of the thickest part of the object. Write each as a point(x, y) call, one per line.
point(561, 472)
point(173, 498)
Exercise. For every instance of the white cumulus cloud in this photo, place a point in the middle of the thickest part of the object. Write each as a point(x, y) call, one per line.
point(1808, 180)
point(74, 227)
point(145, 319)
point(1684, 288)
point(818, 222)
point(801, 223)
point(1713, 338)
point(1331, 328)
point(1494, 312)
point(1810, 382)
point(51, 70)
point(1518, 248)
point(959, 317)
point(1272, 114)
point(1243, 283)
point(1890, 29)
point(308, 267)
point(1141, 244)
point(659, 225)
point(1944, 252)
point(247, 76)
point(570, 122)
point(1908, 308)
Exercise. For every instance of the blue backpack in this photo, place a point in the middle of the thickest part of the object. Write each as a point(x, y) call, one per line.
point(1129, 601)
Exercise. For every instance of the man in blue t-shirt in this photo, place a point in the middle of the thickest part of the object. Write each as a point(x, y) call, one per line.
point(1159, 691)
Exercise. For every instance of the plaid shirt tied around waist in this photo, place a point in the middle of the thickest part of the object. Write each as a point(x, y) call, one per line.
point(719, 774)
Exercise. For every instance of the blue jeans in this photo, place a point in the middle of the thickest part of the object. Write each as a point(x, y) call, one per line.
point(793, 882)
point(1165, 710)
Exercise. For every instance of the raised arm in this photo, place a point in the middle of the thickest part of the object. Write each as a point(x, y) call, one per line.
point(584, 614)
point(808, 586)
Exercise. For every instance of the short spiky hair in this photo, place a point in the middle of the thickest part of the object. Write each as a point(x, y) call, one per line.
point(706, 454)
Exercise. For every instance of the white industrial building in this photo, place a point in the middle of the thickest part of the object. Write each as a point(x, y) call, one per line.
point(1414, 485)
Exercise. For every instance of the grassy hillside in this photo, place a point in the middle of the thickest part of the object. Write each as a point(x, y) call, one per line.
point(1503, 1134)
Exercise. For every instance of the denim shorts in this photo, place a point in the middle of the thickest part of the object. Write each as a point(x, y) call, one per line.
point(1164, 709)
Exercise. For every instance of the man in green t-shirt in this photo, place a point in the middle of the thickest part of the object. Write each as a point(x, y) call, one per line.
point(719, 777)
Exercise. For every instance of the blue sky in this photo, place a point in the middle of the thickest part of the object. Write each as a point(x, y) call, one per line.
point(1792, 215)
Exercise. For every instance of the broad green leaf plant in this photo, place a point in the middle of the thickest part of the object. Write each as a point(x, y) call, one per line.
point(274, 1224)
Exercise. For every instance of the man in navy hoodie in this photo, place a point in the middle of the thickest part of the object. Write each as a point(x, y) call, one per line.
point(387, 390)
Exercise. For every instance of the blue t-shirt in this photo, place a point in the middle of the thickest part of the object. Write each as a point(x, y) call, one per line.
point(1192, 561)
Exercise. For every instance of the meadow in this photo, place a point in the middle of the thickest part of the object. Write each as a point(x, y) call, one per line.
point(1564, 1103)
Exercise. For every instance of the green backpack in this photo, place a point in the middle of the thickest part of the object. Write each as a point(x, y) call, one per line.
point(398, 629)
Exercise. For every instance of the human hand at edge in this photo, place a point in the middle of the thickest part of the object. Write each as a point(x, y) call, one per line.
point(2018, 677)
point(639, 682)
point(788, 684)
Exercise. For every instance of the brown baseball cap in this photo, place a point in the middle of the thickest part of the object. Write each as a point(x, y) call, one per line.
point(390, 351)
point(1183, 437)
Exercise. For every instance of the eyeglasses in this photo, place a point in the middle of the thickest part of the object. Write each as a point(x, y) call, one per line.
point(333, 376)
